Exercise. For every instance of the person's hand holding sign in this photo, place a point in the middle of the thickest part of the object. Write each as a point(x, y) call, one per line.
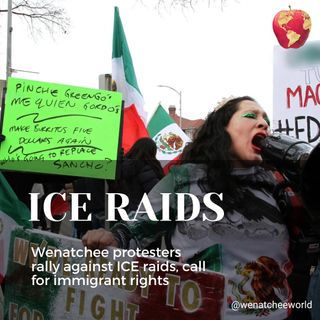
point(99, 239)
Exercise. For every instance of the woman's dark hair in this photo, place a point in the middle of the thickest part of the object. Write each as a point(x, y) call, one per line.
point(211, 147)
point(145, 149)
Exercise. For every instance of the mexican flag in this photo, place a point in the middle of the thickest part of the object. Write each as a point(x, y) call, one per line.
point(126, 82)
point(13, 213)
point(168, 136)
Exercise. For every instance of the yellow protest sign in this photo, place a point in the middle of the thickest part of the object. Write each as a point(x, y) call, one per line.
point(60, 129)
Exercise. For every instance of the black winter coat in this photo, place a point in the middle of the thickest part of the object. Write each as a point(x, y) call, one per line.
point(137, 178)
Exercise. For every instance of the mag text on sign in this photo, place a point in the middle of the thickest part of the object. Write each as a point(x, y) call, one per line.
point(296, 92)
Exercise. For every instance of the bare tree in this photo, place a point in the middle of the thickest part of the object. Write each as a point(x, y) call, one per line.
point(40, 14)
point(183, 4)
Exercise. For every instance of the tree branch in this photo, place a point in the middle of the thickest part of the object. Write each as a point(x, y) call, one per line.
point(41, 13)
point(159, 5)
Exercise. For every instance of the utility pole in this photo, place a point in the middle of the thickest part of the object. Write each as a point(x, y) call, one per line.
point(9, 40)
point(105, 83)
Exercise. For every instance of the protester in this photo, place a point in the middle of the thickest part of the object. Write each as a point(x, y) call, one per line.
point(140, 172)
point(96, 206)
point(250, 243)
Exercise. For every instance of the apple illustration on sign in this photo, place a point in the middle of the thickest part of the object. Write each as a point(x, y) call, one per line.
point(292, 28)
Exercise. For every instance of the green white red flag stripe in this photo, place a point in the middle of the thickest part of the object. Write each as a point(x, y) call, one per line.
point(133, 128)
point(122, 69)
point(169, 137)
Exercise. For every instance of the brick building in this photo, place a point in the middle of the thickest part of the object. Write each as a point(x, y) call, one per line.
point(187, 125)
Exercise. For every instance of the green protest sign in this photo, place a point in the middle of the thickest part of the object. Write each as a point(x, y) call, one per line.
point(60, 129)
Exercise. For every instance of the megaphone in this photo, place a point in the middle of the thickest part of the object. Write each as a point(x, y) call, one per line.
point(300, 164)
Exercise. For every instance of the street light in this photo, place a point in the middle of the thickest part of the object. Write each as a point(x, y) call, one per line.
point(180, 100)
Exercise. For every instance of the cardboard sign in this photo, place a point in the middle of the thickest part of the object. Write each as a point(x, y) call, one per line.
point(59, 129)
point(52, 286)
point(296, 92)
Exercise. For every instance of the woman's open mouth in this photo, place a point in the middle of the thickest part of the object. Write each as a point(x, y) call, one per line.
point(256, 146)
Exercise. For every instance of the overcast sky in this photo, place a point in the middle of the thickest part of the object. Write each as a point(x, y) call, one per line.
point(207, 53)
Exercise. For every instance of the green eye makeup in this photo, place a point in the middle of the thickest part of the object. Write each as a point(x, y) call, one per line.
point(250, 115)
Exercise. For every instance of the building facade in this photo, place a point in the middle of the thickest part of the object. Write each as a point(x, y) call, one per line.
point(187, 125)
